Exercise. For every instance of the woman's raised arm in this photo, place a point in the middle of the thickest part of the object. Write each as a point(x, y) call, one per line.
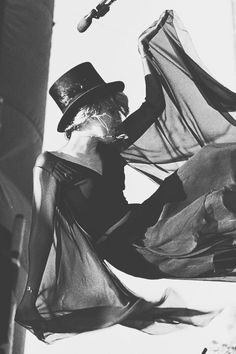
point(139, 121)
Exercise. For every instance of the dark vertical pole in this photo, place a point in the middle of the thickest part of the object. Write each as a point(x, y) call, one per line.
point(2, 7)
point(2, 11)
point(233, 6)
point(10, 250)
point(5, 294)
point(25, 42)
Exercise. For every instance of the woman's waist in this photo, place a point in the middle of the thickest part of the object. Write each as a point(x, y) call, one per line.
point(123, 220)
point(97, 220)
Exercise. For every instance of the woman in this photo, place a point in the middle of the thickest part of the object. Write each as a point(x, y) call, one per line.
point(81, 217)
point(79, 205)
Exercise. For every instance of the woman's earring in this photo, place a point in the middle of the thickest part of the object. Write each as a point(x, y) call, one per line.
point(122, 137)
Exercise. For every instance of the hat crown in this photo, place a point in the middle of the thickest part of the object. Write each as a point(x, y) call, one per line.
point(74, 83)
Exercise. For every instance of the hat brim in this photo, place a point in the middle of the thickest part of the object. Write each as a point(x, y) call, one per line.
point(97, 92)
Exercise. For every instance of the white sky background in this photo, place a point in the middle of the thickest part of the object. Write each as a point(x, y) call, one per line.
point(111, 45)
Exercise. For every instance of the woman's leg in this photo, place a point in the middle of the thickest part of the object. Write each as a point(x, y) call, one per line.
point(41, 237)
point(39, 248)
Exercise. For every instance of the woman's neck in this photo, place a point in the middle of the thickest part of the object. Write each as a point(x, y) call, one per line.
point(80, 144)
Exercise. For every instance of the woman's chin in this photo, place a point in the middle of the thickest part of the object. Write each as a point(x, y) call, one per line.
point(107, 139)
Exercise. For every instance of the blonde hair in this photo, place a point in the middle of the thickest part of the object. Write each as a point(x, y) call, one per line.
point(117, 103)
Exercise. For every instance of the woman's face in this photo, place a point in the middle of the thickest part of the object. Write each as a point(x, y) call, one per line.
point(105, 125)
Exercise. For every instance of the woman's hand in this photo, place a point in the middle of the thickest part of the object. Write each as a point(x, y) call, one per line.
point(143, 45)
point(144, 38)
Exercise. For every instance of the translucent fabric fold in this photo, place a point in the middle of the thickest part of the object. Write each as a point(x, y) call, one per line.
point(197, 106)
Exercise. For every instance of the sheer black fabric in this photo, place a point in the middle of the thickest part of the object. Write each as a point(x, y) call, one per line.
point(189, 239)
point(197, 106)
point(78, 292)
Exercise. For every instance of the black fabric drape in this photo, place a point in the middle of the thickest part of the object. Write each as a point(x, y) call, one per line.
point(197, 132)
point(197, 106)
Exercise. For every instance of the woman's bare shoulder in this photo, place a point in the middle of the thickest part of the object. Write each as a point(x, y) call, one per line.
point(46, 161)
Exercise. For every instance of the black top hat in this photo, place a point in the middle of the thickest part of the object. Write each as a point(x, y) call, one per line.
point(77, 87)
